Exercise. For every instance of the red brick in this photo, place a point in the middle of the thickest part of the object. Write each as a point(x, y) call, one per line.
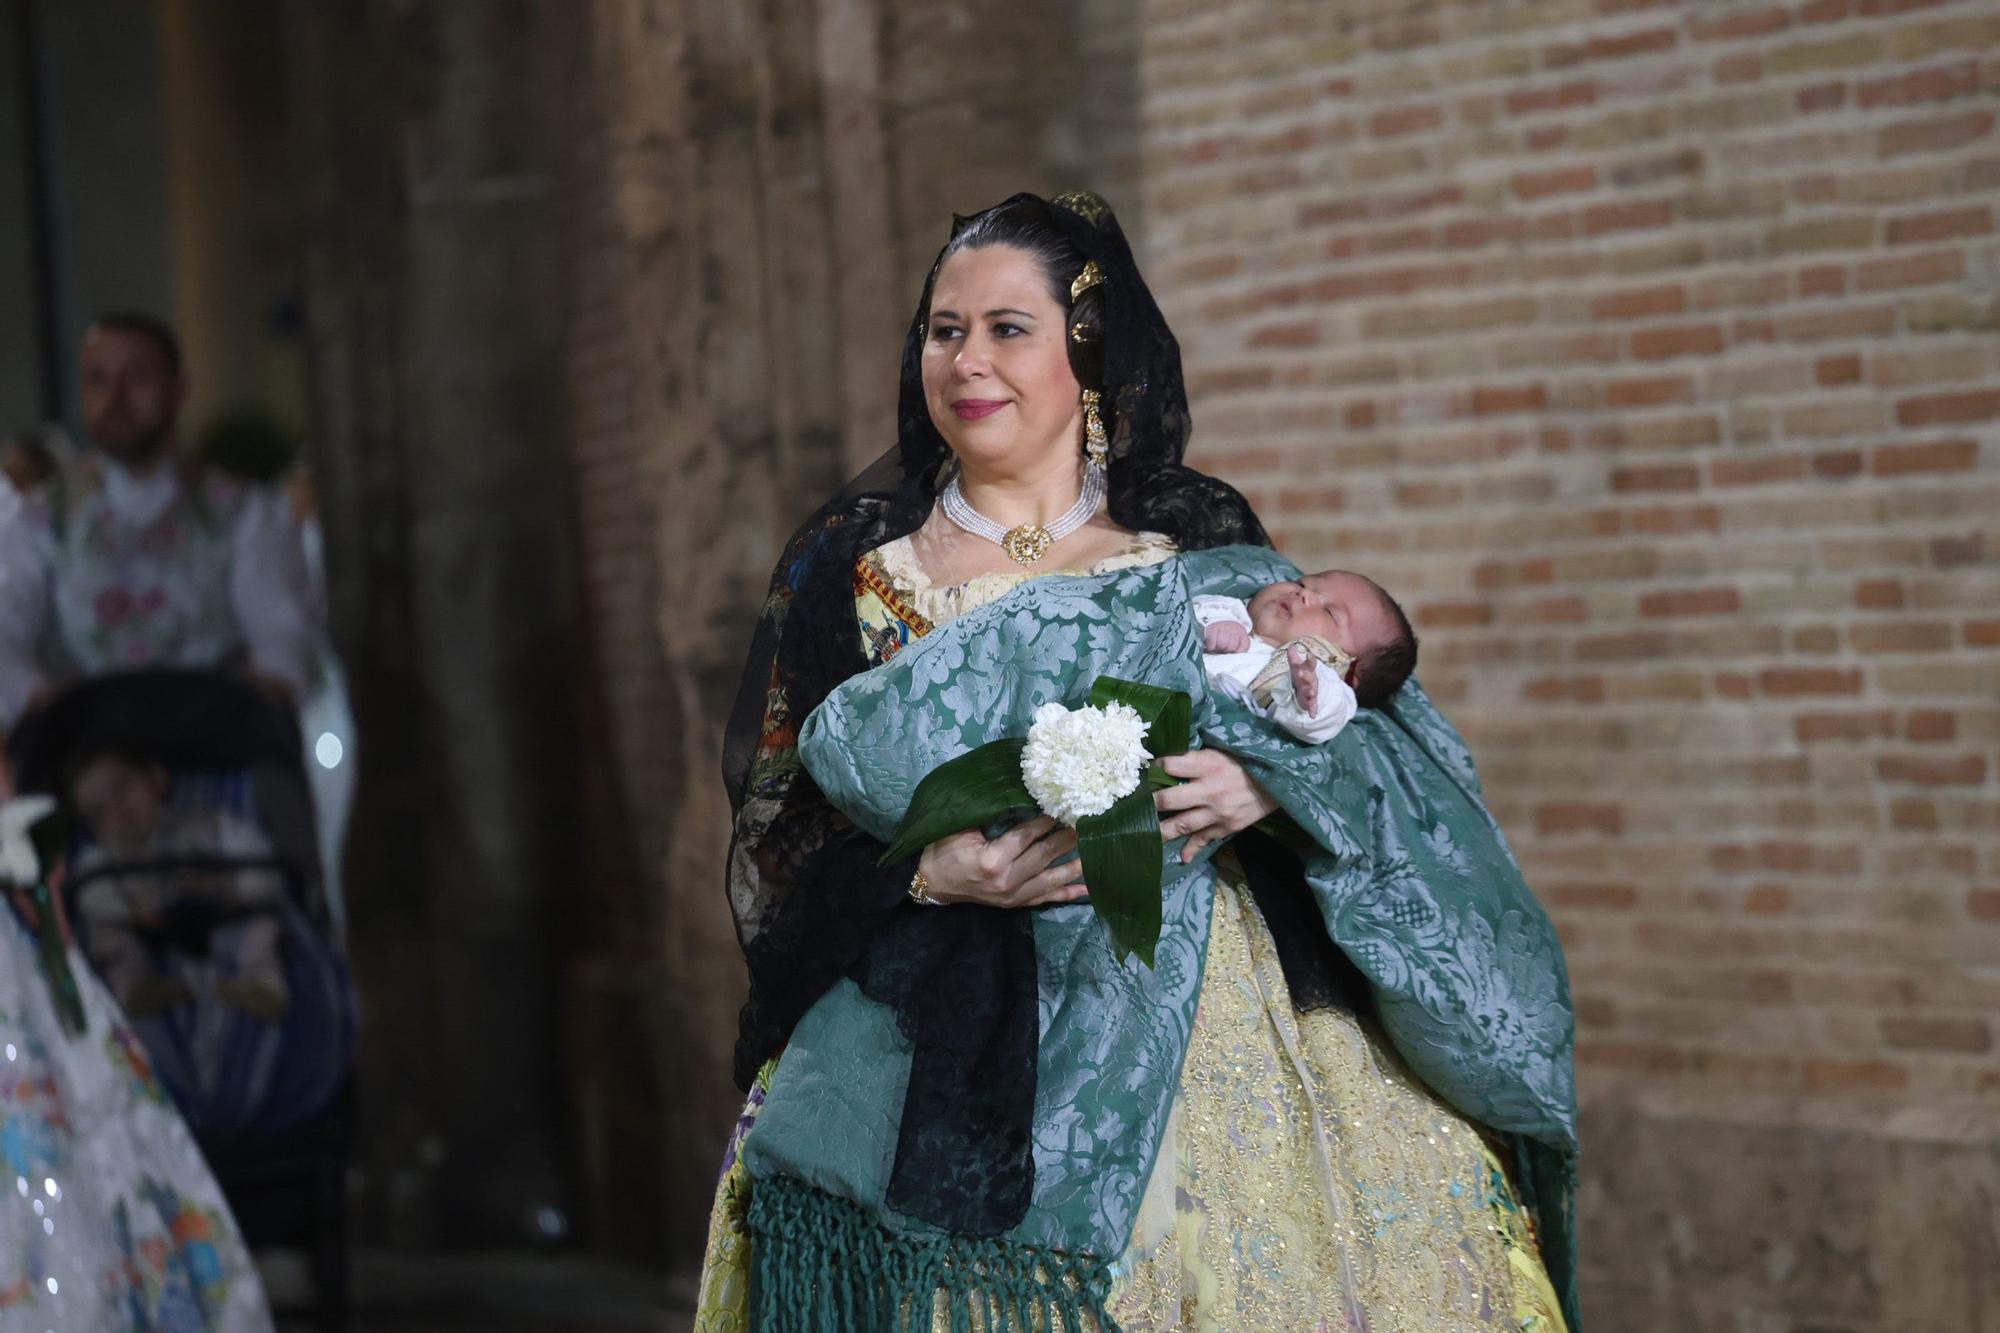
point(1823, 280)
point(1844, 323)
point(1562, 97)
point(1579, 817)
point(1660, 477)
point(1935, 135)
point(1823, 11)
point(1649, 392)
point(1855, 1076)
point(1738, 67)
point(1637, 1057)
point(1757, 471)
point(1839, 464)
point(1983, 904)
point(1768, 900)
point(1814, 728)
point(1923, 270)
point(1429, 494)
point(1455, 613)
point(1231, 380)
point(1494, 401)
point(1733, 685)
point(1788, 682)
point(1663, 521)
point(1639, 303)
point(1684, 340)
point(1922, 636)
point(1878, 595)
point(1405, 120)
point(1973, 405)
point(1966, 770)
point(1405, 34)
point(1822, 97)
point(1746, 23)
point(1512, 573)
point(1909, 814)
point(1620, 47)
point(1965, 1036)
point(1895, 460)
point(1930, 724)
point(1309, 499)
point(1599, 219)
point(1982, 633)
point(1552, 611)
point(1691, 602)
point(1565, 180)
point(1836, 370)
point(1473, 233)
point(1923, 85)
point(1618, 897)
point(1304, 334)
point(1564, 689)
point(1952, 552)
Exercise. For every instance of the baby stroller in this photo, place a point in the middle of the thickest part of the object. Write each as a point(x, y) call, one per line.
point(266, 1087)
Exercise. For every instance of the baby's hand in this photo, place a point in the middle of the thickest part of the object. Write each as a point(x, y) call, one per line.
point(1225, 636)
point(1305, 678)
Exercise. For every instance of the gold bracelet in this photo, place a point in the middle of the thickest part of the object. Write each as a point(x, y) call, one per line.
point(920, 891)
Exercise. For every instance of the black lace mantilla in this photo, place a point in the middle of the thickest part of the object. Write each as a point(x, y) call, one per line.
point(812, 906)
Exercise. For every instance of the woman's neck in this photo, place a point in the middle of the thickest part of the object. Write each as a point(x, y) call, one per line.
point(1015, 498)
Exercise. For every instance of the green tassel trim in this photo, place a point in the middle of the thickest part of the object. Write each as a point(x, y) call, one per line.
point(1548, 1179)
point(820, 1264)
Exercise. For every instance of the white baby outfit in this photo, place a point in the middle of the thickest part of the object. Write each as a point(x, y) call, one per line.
point(1237, 675)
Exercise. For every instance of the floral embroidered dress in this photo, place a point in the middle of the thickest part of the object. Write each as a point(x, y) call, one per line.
point(1307, 1180)
point(109, 1218)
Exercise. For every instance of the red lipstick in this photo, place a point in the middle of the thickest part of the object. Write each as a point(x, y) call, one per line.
point(972, 409)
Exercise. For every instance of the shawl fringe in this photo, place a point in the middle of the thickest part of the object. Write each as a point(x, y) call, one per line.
point(824, 1264)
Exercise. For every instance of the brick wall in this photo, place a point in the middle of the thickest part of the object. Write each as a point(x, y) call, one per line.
point(1647, 351)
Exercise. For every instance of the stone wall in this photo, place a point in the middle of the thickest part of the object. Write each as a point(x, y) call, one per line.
point(1646, 350)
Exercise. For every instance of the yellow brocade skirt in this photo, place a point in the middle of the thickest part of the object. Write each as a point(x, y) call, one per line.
point(1308, 1181)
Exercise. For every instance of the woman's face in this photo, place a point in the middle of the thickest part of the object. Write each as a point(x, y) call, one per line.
point(996, 365)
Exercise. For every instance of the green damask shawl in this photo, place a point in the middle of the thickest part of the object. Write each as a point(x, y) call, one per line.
point(1411, 875)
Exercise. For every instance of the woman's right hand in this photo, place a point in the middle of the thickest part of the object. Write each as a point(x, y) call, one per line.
point(1012, 870)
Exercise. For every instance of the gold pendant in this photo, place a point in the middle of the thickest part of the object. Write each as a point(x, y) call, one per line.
point(1027, 543)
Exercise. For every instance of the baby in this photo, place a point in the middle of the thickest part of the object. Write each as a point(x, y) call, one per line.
point(1307, 654)
point(123, 800)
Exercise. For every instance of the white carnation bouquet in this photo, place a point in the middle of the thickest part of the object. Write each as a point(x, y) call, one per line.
point(1079, 761)
point(1090, 767)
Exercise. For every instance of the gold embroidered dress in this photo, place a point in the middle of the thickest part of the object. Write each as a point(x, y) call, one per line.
point(1307, 1181)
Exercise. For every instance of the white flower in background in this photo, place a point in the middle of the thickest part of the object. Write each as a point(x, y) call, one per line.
point(18, 863)
point(1078, 762)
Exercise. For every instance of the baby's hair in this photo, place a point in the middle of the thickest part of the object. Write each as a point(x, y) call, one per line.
point(74, 764)
point(1380, 673)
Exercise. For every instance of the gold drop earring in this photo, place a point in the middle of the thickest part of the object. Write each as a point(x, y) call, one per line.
point(1096, 445)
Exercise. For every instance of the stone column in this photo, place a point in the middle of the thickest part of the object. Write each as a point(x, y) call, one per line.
point(436, 311)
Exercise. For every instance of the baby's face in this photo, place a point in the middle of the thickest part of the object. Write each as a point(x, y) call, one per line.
point(1344, 609)
point(120, 800)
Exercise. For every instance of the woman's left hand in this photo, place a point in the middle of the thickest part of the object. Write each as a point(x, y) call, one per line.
point(1215, 799)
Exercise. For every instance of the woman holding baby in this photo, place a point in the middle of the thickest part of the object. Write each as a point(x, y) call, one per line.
point(922, 1147)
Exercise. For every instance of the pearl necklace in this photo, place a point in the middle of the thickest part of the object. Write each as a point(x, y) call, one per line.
point(1027, 542)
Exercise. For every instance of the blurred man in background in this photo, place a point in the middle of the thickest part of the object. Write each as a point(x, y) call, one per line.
point(135, 554)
